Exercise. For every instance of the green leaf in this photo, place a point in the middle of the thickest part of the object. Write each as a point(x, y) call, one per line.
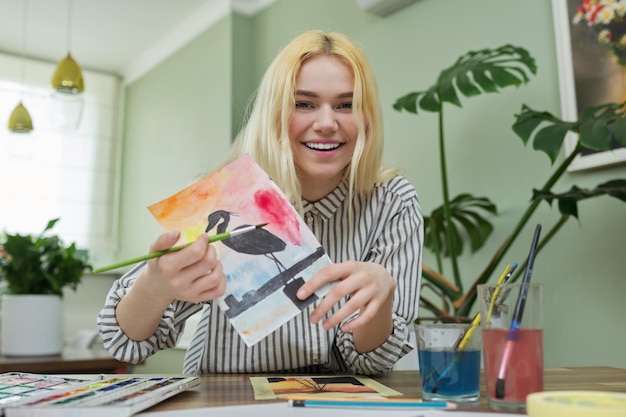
point(568, 201)
point(430, 101)
point(594, 127)
point(39, 264)
point(478, 229)
point(504, 78)
point(596, 124)
point(619, 131)
point(595, 135)
point(477, 72)
point(467, 214)
point(528, 120)
point(484, 82)
point(50, 224)
point(447, 93)
point(407, 102)
point(615, 188)
point(568, 206)
point(432, 233)
point(464, 83)
point(550, 140)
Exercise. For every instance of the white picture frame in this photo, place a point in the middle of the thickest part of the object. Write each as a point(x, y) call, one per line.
point(568, 78)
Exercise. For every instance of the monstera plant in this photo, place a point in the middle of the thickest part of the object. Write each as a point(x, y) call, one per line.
point(490, 71)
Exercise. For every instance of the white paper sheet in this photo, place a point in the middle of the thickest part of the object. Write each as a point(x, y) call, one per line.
point(281, 409)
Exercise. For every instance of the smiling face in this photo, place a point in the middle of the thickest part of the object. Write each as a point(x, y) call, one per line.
point(322, 127)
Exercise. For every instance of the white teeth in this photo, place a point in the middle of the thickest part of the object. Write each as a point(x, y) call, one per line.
point(322, 146)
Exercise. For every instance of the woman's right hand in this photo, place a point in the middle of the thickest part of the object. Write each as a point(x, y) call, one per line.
point(191, 274)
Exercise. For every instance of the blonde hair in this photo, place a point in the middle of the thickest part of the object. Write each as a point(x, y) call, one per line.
point(265, 136)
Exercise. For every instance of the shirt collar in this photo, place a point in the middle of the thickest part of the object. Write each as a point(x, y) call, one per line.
point(328, 205)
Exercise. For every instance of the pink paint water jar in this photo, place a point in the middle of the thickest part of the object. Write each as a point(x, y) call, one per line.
point(512, 354)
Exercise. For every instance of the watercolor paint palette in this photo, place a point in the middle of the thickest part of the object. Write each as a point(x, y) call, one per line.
point(114, 395)
point(18, 386)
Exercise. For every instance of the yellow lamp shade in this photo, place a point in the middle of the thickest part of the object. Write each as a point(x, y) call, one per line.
point(20, 121)
point(68, 77)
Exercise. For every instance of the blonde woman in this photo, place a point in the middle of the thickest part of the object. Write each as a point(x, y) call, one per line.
point(316, 129)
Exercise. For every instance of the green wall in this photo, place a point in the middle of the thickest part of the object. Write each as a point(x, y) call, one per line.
point(244, 82)
point(177, 127)
point(181, 117)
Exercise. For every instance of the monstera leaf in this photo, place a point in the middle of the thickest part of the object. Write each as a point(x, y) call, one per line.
point(486, 70)
point(568, 201)
point(596, 127)
point(465, 211)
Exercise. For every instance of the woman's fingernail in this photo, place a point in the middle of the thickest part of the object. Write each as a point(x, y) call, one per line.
point(301, 294)
point(173, 234)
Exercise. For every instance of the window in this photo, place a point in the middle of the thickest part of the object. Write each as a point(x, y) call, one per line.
point(57, 172)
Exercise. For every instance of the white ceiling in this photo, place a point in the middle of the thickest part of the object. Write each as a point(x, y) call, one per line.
point(123, 37)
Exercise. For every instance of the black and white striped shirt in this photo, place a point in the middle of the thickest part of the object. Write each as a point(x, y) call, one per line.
point(386, 227)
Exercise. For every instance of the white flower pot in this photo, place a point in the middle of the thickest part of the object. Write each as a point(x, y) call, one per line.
point(31, 325)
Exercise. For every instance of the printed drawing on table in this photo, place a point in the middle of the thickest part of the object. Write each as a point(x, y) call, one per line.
point(272, 387)
point(265, 267)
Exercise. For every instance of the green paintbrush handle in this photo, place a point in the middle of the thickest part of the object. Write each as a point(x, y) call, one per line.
point(214, 238)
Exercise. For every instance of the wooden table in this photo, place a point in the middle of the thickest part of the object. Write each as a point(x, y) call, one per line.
point(71, 361)
point(235, 389)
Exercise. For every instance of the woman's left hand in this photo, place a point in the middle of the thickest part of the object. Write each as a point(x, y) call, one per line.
point(371, 288)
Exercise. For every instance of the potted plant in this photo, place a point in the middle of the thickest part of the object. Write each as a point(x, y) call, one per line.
point(34, 271)
point(464, 220)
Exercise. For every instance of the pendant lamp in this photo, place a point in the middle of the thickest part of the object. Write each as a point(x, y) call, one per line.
point(67, 82)
point(68, 78)
point(20, 121)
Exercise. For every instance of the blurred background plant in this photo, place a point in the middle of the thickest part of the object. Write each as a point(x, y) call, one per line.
point(465, 219)
point(39, 264)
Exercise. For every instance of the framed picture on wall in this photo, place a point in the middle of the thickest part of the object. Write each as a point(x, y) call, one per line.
point(591, 73)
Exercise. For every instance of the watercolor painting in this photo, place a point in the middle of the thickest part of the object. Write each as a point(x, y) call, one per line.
point(591, 72)
point(264, 267)
point(273, 387)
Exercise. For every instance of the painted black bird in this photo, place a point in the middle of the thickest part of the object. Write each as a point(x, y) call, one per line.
point(255, 242)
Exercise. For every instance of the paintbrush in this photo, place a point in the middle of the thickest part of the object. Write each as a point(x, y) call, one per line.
point(214, 238)
point(465, 337)
point(516, 321)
